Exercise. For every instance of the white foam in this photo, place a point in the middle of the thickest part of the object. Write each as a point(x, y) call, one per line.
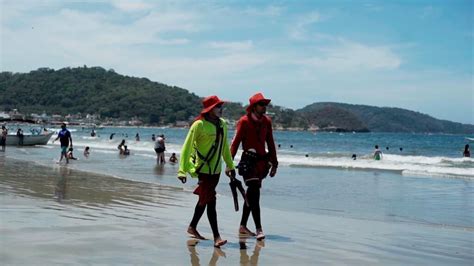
point(407, 165)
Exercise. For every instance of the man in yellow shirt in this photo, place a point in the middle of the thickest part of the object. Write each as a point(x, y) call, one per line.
point(201, 156)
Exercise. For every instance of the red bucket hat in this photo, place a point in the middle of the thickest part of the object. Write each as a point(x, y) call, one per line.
point(210, 102)
point(256, 99)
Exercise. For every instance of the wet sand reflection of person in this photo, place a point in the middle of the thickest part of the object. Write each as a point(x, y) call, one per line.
point(192, 243)
point(159, 169)
point(245, 259)
point(60, 188)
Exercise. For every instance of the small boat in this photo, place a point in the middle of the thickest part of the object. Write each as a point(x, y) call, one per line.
point(29, 139)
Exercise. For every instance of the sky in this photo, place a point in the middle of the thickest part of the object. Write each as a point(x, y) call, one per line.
point(416, 55)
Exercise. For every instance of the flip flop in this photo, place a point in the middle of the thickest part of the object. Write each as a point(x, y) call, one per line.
point(194, 234)
point(220, 243)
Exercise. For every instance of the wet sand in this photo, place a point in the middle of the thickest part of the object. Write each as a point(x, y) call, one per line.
point(56, 215)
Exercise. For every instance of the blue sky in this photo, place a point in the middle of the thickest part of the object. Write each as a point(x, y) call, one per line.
point(409, 54)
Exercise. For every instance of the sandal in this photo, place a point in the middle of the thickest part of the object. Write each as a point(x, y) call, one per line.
point(260, 235)
point(244, 231)
point(220, 243)
point(194, 233)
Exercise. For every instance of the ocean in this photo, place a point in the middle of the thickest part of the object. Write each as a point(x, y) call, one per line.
point(421, 184)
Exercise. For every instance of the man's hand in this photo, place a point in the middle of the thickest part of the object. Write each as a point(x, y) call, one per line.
point(182, 179)
point(273, 171)
point(230, 173)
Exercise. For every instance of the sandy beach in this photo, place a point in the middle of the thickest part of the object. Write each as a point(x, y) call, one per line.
point(58, 215)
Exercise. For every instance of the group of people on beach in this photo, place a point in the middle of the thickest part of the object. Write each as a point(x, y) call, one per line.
point(206, 146)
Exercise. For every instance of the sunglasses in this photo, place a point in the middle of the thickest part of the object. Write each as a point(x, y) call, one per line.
point(219, 106)
point(263, 104)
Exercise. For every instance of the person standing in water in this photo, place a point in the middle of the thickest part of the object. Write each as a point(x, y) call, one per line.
point(3, 137)
point(207, 141)
point(467, 152)
point(160, 149)
point(377, 153)
point(65, 139)
point(254, 130)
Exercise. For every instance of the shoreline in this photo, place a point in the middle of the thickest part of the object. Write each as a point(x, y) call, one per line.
point(98, 219)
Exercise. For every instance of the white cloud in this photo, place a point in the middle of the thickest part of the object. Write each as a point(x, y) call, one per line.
point(177, 41)
point(269, 11)
point(171, 21)
point(233, 46)
point(130, 6)
point(298, 30)
point(351, 56)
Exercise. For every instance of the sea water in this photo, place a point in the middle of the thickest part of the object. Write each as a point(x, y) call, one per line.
point(427, 186)
point(426, 181)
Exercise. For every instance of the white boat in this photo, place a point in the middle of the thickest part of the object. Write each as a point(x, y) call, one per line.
point(29, 139)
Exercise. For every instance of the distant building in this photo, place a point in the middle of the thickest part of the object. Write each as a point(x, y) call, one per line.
point(4, 115)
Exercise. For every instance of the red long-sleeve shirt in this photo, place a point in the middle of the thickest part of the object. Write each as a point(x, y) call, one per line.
point(254, 135)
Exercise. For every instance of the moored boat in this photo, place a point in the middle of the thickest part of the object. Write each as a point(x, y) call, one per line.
point(29, 139)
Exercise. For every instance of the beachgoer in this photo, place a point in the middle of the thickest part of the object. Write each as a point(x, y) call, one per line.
point(467, 152)
point(3, 137)
point(173, 158)
point(207, 141)
point(153, 137)
point(87, 152)
point(93, 133)
point(126, 151)
point(354, 156)
point(401, 149)
point(377, 153)
point(387, 148)
point(69, 154)
point(160, 149)
point(254, 129)
point(19, 134)
point(121, 147)
point(112, 136)
point(137, 137)
point(65, 139)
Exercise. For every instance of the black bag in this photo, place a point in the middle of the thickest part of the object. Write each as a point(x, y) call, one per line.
point(247, 163)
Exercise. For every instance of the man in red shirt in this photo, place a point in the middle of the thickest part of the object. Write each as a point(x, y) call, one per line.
point(254, 130)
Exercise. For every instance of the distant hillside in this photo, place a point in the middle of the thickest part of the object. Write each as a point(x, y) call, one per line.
point(94, 90)
point(379, 119)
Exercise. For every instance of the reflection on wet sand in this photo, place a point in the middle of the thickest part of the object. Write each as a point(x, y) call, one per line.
point(60, 189)
point(245, 259)
point(90, 192)
point(216, 254)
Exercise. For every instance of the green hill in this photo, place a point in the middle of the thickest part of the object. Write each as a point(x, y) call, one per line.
point(383, 119)
point(94, 90)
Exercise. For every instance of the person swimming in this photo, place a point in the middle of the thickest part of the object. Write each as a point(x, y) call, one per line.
point(377, 153)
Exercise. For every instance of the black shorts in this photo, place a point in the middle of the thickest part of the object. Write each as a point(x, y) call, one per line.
point(2, 141)
point(159, 150)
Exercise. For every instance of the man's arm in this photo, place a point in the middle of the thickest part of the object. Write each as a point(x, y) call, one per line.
point(70, 138)
point(237, 138)
point(184, 163)
point(271, 149)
